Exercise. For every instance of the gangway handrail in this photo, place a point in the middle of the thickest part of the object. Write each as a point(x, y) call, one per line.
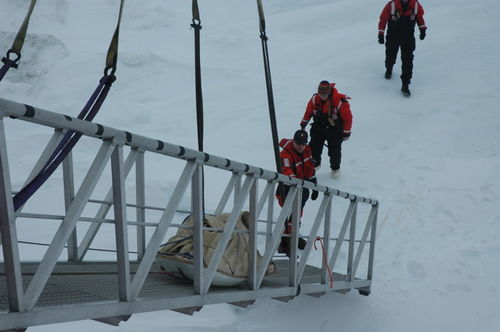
point(94, 129)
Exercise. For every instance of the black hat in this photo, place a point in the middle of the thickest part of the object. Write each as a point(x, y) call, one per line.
point(324, 87)
point(300, 137)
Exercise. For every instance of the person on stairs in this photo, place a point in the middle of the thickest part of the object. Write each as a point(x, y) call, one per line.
point(401, 16)
point(296, 161)
point(332, 123)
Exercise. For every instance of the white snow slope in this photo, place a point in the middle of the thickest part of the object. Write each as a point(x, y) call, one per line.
point(432, 160)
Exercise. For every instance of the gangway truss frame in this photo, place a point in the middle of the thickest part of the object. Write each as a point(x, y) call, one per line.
point(52, 291)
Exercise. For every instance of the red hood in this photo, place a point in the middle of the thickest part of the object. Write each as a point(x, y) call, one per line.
point(334, 90)
point(336, 94)
point(286, 143)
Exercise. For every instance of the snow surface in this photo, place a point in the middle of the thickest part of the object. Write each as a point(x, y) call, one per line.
point(431, 160)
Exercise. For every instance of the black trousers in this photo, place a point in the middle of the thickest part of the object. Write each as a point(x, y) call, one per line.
point(286, 189)
point(333, 136)
point(407, 46)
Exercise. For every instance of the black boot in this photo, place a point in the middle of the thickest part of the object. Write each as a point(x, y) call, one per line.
point(284, 247)
point(302, 243)
point(406, 90)
point(388, 73)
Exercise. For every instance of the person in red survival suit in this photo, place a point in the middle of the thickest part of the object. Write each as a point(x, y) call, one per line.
point(332, 123)
point(296, 161)
point(401, 16)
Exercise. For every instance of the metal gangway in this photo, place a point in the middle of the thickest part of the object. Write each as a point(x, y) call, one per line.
point(56, 288)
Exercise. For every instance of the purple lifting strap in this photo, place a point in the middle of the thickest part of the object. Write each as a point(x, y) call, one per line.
point(8, 63)
point(67, 143)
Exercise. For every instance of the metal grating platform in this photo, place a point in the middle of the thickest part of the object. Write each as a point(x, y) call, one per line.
point(98, 282)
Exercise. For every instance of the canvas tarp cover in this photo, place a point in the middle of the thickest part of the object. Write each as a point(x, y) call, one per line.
point(234, 262)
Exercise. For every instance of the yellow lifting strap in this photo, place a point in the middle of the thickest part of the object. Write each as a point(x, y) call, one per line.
point(21, 34)
point(112, 57)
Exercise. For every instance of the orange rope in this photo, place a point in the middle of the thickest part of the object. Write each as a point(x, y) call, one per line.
point(325, 259)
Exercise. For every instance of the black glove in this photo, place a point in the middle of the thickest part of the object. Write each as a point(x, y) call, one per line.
point(345, 136)
point(302, 126)
point(314, 195)
point(381, 38)
point(315, 163)
point(422, 34)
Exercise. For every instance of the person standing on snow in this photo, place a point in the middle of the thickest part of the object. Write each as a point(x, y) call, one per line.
point(401, 17)
point(332, 123)
point(296, 161)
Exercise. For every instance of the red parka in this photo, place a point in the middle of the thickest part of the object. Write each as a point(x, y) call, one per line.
point(294, 164)
point(394, 9)
point(336, 105)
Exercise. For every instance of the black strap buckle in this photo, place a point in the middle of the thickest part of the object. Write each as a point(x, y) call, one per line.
point(11, 62)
